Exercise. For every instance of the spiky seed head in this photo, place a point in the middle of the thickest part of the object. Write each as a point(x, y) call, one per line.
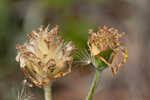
point(45, 55)
point(105, 48)
point(104, 39)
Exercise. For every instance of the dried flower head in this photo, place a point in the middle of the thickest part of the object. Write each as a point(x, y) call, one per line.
point(45, 56)
point(105, 45)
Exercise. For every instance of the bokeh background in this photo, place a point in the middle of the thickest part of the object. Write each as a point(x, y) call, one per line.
point(75, 17)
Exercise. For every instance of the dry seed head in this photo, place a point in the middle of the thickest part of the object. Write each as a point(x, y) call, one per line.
point(104, 39)
point(45, 56)
point(105, 45)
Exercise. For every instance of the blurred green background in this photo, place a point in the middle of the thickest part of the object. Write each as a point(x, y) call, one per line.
point(75, 17)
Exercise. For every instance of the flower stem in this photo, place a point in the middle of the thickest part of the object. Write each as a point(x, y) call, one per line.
point(93, 85)
point(47, 91)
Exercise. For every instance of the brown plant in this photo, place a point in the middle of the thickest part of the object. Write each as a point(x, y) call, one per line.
point(107, 39)
point(45, 56)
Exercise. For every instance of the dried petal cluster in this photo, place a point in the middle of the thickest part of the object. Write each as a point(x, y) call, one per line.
point(45, 56)
point(106, 46)
point(103, 40)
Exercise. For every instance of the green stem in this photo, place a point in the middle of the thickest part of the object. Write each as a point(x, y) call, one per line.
point(47, 91)
point(94, 85)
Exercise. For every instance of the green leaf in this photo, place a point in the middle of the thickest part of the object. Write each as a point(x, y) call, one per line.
point(106, 55)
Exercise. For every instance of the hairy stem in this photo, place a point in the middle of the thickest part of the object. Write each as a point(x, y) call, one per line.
point(93, 85)
point(47, 91)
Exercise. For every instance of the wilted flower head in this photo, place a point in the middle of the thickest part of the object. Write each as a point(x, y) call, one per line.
point(45, 56)
point(105, 45)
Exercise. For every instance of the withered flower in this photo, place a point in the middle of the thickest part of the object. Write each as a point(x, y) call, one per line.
point(45, 56)
point(105, 46)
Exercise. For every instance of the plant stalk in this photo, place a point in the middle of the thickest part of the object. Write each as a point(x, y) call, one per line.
point(93, 85)
point(47, 91)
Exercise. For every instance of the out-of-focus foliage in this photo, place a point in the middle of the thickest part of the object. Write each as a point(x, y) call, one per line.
point(98, 1)
point(57, 3)
point(76, 29)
